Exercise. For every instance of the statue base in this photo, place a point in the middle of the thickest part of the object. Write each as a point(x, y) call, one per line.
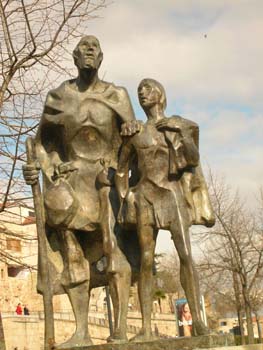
point(184, 343)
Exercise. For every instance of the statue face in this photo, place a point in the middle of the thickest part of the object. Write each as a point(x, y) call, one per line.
point(88, 53)
point(148, 95)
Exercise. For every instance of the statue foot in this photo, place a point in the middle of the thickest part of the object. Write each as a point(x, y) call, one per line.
point(74, 341)
point(199, 328)
point(143, 336)
point(117, 338)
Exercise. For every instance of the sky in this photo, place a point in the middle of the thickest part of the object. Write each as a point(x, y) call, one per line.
point(208, 55)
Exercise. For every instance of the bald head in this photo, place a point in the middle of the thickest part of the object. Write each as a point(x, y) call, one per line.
point(88, 54)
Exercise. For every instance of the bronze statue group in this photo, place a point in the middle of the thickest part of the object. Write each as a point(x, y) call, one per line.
point(110, 183)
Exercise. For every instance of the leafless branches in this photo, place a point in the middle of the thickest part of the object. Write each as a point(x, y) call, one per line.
point(36, 37)
point(36, 41)
point(234, 248)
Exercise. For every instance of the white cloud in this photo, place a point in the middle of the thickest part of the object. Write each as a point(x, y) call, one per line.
point(203, 75)
point(165, 39)
point(208, 55)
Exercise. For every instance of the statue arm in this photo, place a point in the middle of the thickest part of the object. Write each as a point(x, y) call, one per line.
point(122, 173)
point(127, 113)
point(182, 137)
point(190, 143)
point(48, 139)
point(47, 161)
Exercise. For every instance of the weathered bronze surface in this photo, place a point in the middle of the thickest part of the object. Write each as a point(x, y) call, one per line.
point(171, 194)
point(184, 343)
point(77, 147)
point(90, 209)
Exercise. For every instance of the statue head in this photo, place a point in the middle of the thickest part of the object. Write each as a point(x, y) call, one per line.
point(88, 54)
point(151, 93)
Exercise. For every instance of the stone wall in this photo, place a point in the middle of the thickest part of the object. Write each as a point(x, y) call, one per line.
point(27, 332)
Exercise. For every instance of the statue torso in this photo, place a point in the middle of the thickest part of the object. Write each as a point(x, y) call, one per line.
point(153, 154)
point(91, 128)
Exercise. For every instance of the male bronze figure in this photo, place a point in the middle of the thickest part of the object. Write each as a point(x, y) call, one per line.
point(171, 194)
point(77, 146)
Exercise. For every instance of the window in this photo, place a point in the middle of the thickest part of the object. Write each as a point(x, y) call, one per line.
point(13, 271)
point(2, 274)
point(223, 323)
point(31, 213)
point(13, 244)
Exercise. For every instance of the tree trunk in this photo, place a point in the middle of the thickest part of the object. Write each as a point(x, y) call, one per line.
point(239, 307)
point(259, 328)
point(160, 305)
point(171, 304)
point(2, 337)
point(250, 331)
point(241, 327)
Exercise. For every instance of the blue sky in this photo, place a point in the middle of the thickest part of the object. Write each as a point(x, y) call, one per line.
point(208, 55)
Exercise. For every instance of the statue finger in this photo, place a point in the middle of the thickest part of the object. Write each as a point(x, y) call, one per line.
point(31, 182)
point(37, 164)
point(32, 178)
point(134, 128)
point(29, 167)
point(123, 131)
point(131, 132)
point(31, 172)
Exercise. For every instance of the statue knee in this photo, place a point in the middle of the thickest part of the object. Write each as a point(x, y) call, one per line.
point(126, 270)
point(109, 246)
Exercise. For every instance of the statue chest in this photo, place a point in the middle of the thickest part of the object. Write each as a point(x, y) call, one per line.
point(149, 138)
point(89, 114)
point(152, 151)
point(91, 129)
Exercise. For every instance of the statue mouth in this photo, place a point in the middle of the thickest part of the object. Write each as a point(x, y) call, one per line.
point(89, 56)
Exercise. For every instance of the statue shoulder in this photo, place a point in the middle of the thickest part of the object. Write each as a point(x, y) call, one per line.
point(58, 93)
point(187, 123)
point(55, 103)
point(119, 90)
point(118, 98)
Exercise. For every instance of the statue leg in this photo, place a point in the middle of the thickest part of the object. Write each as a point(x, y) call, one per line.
point(188, 275)
point(147, 240)
point(118, 269)
point(76, 284)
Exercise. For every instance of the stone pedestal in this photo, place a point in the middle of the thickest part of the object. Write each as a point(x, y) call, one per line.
point(185, 343)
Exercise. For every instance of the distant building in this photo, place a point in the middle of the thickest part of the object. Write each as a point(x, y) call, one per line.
point(18, 260)
point(230, 325)
point(18, 265)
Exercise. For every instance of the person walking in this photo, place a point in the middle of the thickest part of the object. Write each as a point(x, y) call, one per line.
point(19, 310)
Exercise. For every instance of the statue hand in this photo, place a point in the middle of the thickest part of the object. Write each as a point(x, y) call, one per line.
point(165, 123)
point(106, 175)
point(31, 172)
point(67, 167)
point(130, 128)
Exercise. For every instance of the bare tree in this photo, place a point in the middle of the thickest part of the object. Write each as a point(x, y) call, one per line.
point(234, 247)
point(168, 278)
point(36, 39)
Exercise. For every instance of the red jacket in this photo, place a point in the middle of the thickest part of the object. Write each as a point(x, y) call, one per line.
point(19, 310)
